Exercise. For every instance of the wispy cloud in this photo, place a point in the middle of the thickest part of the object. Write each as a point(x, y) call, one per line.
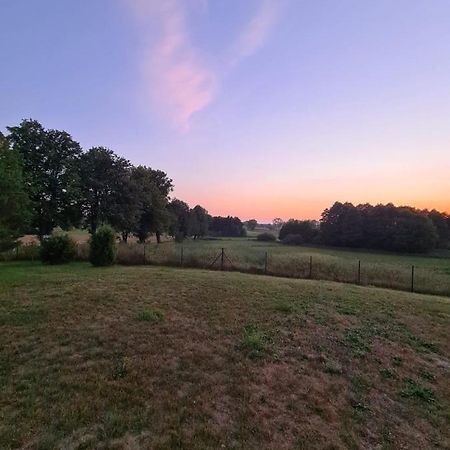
point(180, 81)
point(256, 32)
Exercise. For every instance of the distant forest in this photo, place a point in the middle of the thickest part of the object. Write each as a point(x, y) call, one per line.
point(381, 227)
point(48, 181)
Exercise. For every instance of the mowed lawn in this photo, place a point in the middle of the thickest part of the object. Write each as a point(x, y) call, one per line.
point(150, 357)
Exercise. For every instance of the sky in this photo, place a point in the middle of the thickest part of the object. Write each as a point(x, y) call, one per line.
point(255, 108)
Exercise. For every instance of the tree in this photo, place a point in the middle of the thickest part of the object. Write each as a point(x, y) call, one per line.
point(442, 223)
point(384, 227)
point(14, 203)
point(50, 166)
point(251, 224)
point(105, 189)
point(198, 222)
point(307, 229)
point(178, 218)
point(153, 188)
point(227, 227)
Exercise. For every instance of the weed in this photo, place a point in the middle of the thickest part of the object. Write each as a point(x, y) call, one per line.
point(150, 315)
point(360, 383)
point(412, 389)
point(120, 369)
point(397, 361)
point(356, 340)
point(388, 374)
point(426, 375)
point(254, 341)
point(333, 367)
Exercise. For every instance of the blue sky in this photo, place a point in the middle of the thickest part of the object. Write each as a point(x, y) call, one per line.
point(260, 108)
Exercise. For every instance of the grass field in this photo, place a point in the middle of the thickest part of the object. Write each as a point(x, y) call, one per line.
point(153, 357)
point(431, 272)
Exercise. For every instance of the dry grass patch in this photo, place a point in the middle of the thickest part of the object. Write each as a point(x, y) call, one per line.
point(143, 357)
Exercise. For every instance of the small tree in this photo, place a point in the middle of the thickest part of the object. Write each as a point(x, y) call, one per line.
point(102, 251)
point(58, 249)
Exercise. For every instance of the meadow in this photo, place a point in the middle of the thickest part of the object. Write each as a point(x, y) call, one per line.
point(159, 357)
point(431, 273)
point(364, 267)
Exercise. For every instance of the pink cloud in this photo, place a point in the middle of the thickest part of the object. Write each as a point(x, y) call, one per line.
point(178, 79)
point(179, 82)
point(256, 32)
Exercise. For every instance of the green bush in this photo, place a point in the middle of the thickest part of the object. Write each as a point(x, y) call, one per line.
point(266, 237)
point(102, 248)
point(58, 249)
point(293, 239)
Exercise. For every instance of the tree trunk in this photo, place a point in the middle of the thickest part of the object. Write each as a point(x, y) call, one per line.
point(158, 237)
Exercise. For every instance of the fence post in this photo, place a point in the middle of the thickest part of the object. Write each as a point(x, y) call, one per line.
point(359, 272)
point(181, 257)
point(412, 278)
point(221, 258)
point(265, 264)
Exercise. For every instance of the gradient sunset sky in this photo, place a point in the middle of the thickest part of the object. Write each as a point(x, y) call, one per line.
point(256, 108)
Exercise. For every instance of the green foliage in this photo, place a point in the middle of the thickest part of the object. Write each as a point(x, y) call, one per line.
point(120, 369)
point(227, 227)
point(292, 239)
point(266, 237)
point(307, 229)
point(14, 203)
point(412, 389)
point(178, 218)
point(151, 315)
point(153, 187)
point(198, 222)
point(102, 247)
point(384, 227)
point(106, 190)
point(58, 249)
point(254, 341)
point(52, 182)
point(387, 373)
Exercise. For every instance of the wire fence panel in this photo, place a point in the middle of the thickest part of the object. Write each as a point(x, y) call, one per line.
point(317, 267)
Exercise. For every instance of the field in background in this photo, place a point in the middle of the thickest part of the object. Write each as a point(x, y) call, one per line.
point(153, 357)
point(431, 273)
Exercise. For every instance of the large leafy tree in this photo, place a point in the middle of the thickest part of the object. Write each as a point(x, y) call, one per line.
point(178, 218)
point(198, 221)
point(107, 194)
point(50, 165)
point(153, 189)
point(14, 203)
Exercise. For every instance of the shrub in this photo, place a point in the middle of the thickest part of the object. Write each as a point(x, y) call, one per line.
point(102, 249)
point(266, 237)
point(293, 239)
point(58, 249)
point(308, 229)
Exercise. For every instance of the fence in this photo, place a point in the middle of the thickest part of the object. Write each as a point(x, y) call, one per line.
point(393, 276)
point(323, 267)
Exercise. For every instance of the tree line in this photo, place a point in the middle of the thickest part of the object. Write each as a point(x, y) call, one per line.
point(380, 227)
point(48, 181)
